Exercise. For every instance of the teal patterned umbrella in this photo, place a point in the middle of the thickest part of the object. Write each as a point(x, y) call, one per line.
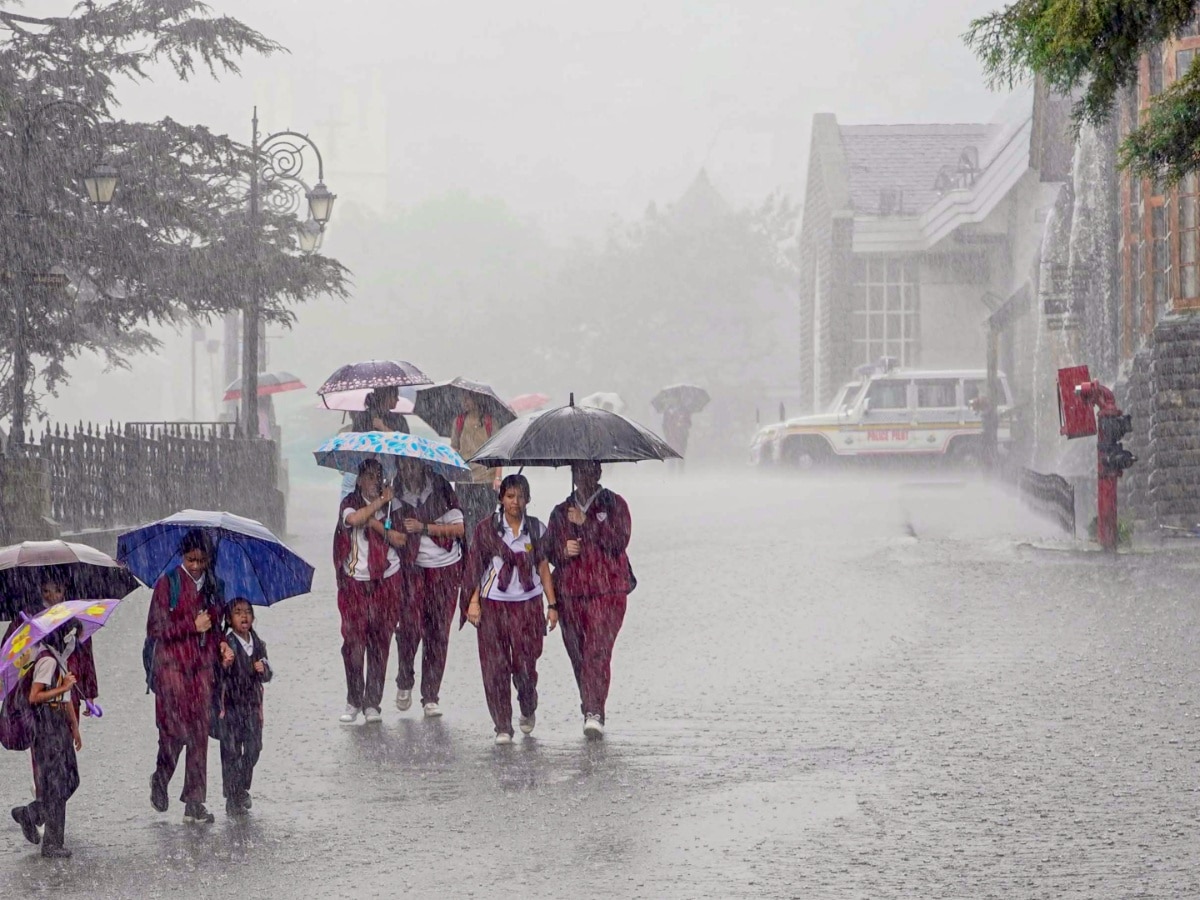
point(346, 451)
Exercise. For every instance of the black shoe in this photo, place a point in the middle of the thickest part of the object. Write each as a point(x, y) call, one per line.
point(22, 817)
point(196, 814)
point(246, 801)
point(233, 809)
point(52, 852)
point(158, 794)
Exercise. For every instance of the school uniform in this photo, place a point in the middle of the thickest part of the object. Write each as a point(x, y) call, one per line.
point(240, 713)
point(183, 678)
point(591, 589)
point(512, 625)
point(369, 595)
point(433, 574)
point(53, 753)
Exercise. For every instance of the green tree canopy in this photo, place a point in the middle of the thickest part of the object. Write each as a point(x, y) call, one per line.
point(175, 242)
point(1093, 49)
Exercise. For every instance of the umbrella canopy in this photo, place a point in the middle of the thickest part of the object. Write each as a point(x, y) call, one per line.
point(524, 403)
point(268, 383)
point(346, 451)
point(604, 400)
point(21, 649)
point(356, 400)
point(88, 574)
point(441, 404)
point(688, 397)
point(559, 437)
point(374, 373)
point(252, 562)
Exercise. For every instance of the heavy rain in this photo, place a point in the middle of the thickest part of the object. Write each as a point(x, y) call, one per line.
point(660, 450)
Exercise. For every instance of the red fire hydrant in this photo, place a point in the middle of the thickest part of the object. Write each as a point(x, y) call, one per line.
point(1082, 405)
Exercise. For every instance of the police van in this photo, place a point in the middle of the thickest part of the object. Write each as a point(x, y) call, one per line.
point(891, 412)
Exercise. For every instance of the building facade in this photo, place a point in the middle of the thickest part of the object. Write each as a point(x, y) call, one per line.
point(913, 235)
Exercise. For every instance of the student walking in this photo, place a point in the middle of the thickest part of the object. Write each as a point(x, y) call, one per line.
point(369, 590)
point(586, 541)
point(185, 608)
point(506, 577)
point(244, 671)
point(426, 511)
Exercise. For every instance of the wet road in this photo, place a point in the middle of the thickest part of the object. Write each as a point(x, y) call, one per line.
point(864, 689)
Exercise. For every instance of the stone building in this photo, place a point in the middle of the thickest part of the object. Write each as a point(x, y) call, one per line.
point(914, 234)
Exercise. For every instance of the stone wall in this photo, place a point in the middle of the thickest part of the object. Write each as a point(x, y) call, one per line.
point(1133, 396)
point(25, 501)
point(1173, 463)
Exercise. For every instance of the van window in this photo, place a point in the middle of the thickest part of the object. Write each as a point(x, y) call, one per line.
point(938, 394)
point(973, 390)
point(888, 395)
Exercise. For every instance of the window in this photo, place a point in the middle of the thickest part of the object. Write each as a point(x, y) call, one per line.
point(1156, 70)
point(973, 390)
point(1160, 256)
point(937, 394)
point(1189, 237)
point(1183, 62)
point(886, 309)
point(888, 395)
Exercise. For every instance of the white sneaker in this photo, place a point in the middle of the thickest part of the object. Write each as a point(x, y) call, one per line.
point(350, 716)
point(527, 723)
point(403, 700)
point(432, 711)
point(503, 737)
point(592, 726)
point(373, 714)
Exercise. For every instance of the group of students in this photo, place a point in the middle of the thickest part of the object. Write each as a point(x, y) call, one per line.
point(406, 564)
point(205, 684)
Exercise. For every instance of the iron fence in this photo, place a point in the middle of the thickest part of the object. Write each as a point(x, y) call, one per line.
point(1049, 495)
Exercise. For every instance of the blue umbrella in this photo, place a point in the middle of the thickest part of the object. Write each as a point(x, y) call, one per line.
point(346, 451)
point(251, 561)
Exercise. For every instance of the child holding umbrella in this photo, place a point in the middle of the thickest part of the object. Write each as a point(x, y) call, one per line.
point(369, 590)
point(185, 607)
point(587, 539)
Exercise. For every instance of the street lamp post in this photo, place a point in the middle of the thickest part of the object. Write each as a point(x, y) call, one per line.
point(100, 183)
point(277, 157)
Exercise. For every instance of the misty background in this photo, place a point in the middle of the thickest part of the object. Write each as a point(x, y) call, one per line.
point(552, 198)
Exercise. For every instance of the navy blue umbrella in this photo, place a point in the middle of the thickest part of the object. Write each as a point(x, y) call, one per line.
point(251, 561)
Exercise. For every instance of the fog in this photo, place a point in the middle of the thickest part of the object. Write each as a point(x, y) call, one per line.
point(478, 150)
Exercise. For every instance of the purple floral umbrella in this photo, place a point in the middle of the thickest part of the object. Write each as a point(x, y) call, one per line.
point(374, 373)
point(20, 651)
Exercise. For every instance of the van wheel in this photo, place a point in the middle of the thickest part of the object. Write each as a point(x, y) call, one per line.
point(965, 453)
point(806, 454)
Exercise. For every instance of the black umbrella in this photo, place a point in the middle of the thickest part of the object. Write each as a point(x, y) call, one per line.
point(86, 573)
point(687, 397)
point(441, 404)
point(559, 437)
point(374, 373)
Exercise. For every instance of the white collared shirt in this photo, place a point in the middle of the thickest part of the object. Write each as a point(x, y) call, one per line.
point(358, 565)
point(429, 554)
point(518, 543)
point(587, 504)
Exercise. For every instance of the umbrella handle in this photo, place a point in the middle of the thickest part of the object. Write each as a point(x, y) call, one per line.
point(93, 709)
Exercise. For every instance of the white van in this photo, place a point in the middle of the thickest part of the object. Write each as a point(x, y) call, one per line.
point(890, 413)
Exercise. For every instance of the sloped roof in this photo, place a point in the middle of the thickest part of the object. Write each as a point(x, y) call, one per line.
point(906, 158)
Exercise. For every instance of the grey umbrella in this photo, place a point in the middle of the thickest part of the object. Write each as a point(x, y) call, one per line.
point(441, 404)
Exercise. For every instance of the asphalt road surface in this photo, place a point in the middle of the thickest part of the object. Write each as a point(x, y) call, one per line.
point(886, 686)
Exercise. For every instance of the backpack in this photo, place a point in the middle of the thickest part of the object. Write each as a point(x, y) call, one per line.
point(175, 586)
point(462, 420)
point(17, 716)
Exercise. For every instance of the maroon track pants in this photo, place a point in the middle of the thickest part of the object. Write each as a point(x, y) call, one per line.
point(425, 618)
point(510, 642)
point(589, 629)
point(195, 767)
point(369, 610)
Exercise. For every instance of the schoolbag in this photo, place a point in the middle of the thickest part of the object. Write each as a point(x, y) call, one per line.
point(175, 587)
point(17, 716)
point(462, 420)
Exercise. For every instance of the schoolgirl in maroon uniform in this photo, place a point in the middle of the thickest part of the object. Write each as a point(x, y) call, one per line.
point(587, 539)
point(426, 512)
point(369, 584)
point(506, 577)
point(185, 607)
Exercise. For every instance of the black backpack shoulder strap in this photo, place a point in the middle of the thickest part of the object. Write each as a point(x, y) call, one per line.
point(175, 586)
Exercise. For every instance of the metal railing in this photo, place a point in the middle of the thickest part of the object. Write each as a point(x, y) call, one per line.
point(1049, 495)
